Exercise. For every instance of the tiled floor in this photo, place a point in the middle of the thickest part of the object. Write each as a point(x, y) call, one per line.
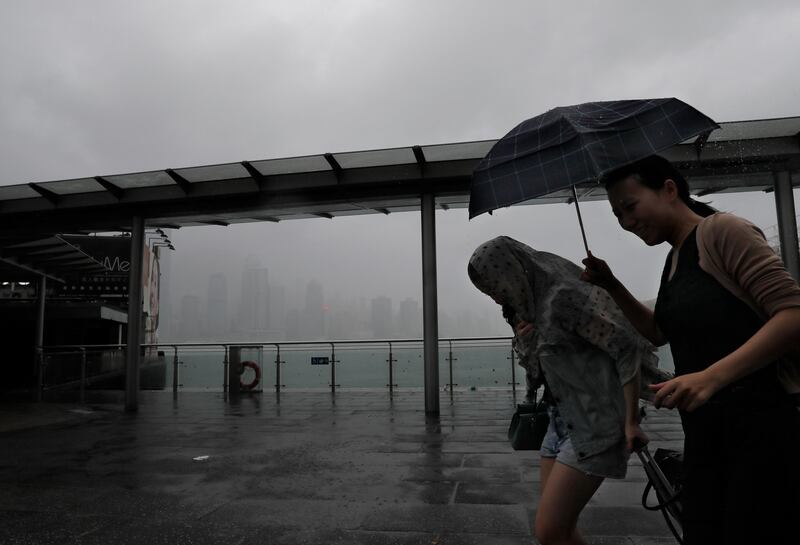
point(305, 467)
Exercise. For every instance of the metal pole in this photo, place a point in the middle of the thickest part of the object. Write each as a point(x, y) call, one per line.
point(133, 356)
point(278, 369)
point(39, 356)
point(225, 368)
point(175, 373)
point(450, 361)
point(333, 368)
point(83, 375)
point(430, 308)
point(391, 374)
point(787, 222)
point(513, 374)
point(234, 370)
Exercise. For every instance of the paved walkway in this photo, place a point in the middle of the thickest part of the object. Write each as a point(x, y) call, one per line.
point(301, 468)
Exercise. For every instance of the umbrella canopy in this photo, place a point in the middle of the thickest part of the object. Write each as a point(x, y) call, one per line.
point(570, 145)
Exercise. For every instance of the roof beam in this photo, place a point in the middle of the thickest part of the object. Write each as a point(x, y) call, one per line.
point(324, 215)
point(419, 155)
point(33, 270)
point(115, 190)
point(217, 222)
point(337, 168)
point(708, 191)
point(180, 181)
point(259, 178)
point(51, 197)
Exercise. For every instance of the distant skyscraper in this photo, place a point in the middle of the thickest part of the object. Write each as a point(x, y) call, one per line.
point(409, 319)
point(190, 325)
point(254, 309)
point(293, 332)
point(218, 324)
point(381, 317)
point(277, 310)
point(313, 325)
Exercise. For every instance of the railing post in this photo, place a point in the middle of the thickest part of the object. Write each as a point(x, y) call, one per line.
point(278, 363)
point(391, 360)
point(83, 375)
point(513, 373)
point(333, 368)
point(175, 372)
point(225, 365)
point(450, 360)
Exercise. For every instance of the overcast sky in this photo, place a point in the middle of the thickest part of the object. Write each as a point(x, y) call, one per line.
point(106, 87)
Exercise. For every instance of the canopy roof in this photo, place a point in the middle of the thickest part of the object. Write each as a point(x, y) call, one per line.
point(741, 156)
point(26, 256)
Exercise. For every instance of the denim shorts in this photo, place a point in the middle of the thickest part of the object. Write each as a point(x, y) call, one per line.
point(611, 463)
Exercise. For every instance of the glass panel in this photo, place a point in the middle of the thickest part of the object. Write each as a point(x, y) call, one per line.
point(297, 371)
point(68, 187)
point(17, 192)
point(454, 152)
point(409, 369)
point(214, 173)
point(141, 179)
point(479, 367)
point(200, 369)
point(292, 165)
point(376, 158)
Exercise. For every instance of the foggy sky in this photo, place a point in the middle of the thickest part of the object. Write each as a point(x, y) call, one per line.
point(105, 87)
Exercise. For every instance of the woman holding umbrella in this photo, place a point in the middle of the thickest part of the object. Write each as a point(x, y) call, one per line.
point(730, 311)
point(573, 337)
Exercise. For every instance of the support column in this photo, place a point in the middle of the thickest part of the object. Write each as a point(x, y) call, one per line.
point(39, 357)
point(787, 222)
point(133, 352)
point(430, 308)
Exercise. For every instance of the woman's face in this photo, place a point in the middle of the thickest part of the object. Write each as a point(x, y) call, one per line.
point(640, 210)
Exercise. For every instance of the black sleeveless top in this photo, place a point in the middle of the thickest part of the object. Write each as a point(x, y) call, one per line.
point(704, 322)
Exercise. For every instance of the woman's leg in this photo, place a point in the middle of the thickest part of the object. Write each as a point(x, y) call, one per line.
point(545, 467)
point(565, 493)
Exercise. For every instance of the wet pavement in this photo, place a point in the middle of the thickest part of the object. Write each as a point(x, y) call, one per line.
point(302, 468)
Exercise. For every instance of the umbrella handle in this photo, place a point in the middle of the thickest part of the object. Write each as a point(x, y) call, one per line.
point(580, 221)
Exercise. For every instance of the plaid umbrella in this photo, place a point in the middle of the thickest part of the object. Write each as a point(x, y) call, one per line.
point(570, 145)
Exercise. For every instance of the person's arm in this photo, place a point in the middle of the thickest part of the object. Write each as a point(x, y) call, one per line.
point(597, 272)
point(633, 430)
point(773, 340)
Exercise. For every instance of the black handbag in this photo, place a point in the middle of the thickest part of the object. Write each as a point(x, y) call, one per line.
point(665, 475)
point(528, 426)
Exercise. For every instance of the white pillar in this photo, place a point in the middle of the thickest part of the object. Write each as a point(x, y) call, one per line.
point(133, 357)
point(430, 307)
point(787, 222)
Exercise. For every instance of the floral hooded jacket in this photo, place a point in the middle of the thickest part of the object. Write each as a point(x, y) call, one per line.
point(583, 345)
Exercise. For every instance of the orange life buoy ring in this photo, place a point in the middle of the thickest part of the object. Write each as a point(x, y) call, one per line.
point(256, 369)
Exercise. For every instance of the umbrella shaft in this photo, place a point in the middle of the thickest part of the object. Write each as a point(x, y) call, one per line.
point(580, 220)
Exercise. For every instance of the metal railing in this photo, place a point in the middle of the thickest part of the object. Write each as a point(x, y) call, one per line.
point(89, 374)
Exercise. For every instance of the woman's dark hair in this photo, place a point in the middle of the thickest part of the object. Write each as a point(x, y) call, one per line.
point(652, 172)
